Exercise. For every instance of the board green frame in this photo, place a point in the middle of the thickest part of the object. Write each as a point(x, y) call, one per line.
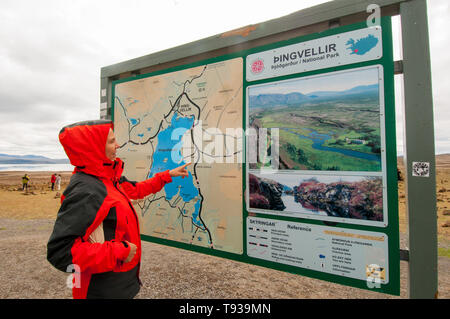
point(392, 229)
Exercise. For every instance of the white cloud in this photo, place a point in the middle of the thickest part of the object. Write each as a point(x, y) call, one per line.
point(52, 52)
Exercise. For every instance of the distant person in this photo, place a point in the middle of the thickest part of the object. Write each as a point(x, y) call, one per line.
point(25, 180)
point(399, 175)
point(52, 180)
point(96, 232)
point(58, 182)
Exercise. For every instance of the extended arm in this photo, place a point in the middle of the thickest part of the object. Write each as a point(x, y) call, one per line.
point(138, 190)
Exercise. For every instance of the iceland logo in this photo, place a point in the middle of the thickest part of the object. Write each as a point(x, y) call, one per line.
point(257, 66)
point(363, 45)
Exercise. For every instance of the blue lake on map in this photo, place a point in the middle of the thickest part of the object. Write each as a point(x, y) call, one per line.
point(168, 156)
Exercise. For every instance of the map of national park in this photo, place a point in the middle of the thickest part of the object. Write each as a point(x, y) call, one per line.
point(187, 116)
point(329, 122)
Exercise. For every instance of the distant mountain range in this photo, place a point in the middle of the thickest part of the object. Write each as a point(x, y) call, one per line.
point(30, 159)
point(297, 98)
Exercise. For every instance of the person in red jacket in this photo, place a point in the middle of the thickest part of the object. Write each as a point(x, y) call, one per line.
point(96, 232)
point(53, 180)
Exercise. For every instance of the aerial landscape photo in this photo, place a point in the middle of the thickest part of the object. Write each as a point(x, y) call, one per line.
point(329, 122)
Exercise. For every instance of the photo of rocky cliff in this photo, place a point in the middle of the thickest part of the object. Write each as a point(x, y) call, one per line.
point(265, 193)
point(355, 197)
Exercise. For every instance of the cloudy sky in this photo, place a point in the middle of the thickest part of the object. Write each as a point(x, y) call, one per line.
point(51, 53)
point(340, 81)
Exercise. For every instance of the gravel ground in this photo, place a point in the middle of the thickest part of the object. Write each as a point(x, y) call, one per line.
point(168, 272)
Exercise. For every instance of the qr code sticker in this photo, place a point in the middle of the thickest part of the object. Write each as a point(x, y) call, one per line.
point(421, 169)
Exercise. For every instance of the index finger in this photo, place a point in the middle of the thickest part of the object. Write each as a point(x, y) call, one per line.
point(186, 165)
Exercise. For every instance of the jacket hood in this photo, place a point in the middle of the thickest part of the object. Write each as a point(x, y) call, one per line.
point(84, 143)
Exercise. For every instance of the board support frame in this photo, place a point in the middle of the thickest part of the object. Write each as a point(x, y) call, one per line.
point(418, 108)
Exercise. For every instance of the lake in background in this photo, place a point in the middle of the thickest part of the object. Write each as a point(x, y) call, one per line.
point(36, 167)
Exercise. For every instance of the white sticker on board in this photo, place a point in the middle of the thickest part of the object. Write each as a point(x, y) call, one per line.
point(421, 169)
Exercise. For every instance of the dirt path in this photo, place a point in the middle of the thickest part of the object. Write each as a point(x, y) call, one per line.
point(168, 272)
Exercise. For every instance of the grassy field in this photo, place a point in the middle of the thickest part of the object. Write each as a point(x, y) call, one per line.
point(341, 125)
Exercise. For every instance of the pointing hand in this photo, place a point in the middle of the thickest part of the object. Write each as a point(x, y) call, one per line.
point(180, 171)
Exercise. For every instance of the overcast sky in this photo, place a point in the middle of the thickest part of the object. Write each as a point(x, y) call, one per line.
point(51, 53)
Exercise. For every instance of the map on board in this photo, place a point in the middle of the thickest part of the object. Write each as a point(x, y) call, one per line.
point(187, 116)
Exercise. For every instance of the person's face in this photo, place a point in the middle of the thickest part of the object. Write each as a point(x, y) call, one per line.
point(111, 146)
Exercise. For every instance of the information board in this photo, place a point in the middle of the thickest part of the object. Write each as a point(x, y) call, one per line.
point(292, 152)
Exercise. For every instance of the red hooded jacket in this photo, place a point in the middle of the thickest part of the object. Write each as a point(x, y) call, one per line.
point(98, 199)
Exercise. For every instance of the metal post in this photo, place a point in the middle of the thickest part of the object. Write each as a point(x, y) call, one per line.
point(419, 148)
